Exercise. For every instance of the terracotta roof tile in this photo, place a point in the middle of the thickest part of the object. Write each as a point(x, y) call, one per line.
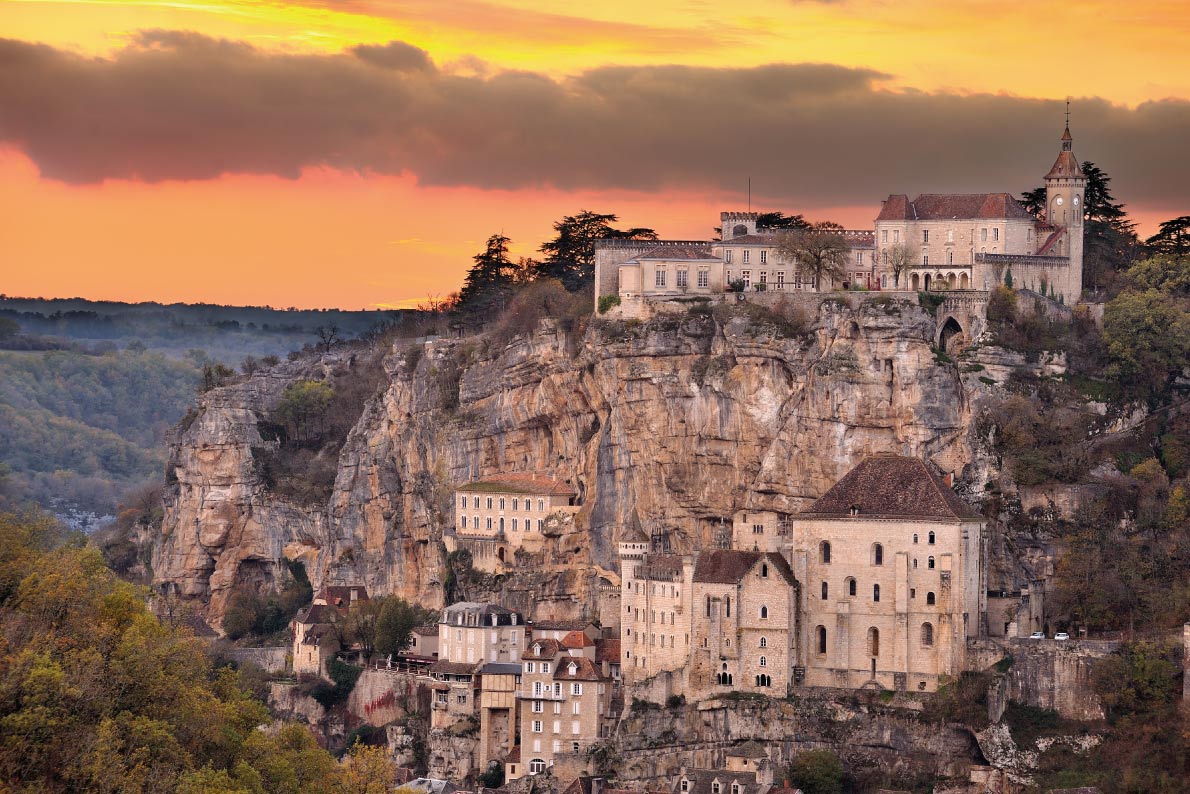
point(674, 252)
point(728, 566)
point(1066, 166)
point(585, 670)
point(577, 639)
point(946, 206)
point(608, 651)
point(549, 649)
point(520, 482)
point(891, 486)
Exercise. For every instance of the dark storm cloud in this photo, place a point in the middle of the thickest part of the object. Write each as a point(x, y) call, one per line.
point(183, 106)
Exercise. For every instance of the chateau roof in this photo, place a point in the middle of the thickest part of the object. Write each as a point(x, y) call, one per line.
point(676, 252)
point(608, 651)
point(316, 613)
point(520, 482)
point(891, 486)
point(549, 649)
point(584, 670)
point(728, 566)
point(952, 206)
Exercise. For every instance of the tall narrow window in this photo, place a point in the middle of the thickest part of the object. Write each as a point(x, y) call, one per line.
point(824, 591)
point(873, 641)
point(729, 606)
point(682, 279)
point(824, 552)
point(875, 592)
point(704, 278)
point(822, 639)
point(927, 634)
point(930, 563)
point(877, 554)
point(850, 587)
point(764, 613)
point(931, 538)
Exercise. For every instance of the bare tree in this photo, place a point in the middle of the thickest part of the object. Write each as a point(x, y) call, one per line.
point(898, 257)
point(328, 337)
point(819, 252)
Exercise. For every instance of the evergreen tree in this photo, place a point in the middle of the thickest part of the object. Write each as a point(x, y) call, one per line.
point(570, 256)
point(1172, 239)
point(489, 280)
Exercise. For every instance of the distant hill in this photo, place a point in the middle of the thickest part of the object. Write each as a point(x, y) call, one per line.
point(89, 389)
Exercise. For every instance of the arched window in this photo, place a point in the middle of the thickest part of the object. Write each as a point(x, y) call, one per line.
point(764, 642)
point(764, 662)
point(536, 766)
point(764, 570)
point(873, 641)
point(729, 606)
point(821, 639)
point(850, 586)
point(824, 591)
point(915, 563)
point(824, 552)
point(931, 538)
point(929, 599)
point(877, 554)
point(930, 563)
point(927, 634)
point(915, 537)
point(875, 592)
point(764, 613)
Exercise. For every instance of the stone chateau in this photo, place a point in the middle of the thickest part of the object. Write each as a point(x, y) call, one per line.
point(945, 241)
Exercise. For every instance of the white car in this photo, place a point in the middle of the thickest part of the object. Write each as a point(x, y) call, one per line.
point(1037, 635)
point(1061, 635)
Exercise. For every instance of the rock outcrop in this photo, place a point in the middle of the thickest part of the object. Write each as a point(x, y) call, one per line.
point(671, 425)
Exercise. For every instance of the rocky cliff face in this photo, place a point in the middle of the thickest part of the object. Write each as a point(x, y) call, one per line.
point(672, 425)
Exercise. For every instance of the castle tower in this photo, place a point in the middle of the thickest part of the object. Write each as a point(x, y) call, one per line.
point(1065, 187)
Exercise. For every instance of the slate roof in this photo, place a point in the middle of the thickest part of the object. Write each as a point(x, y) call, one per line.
point(585, 670)
point(728, 566)
point(316, 613)
point(701, 779)
point(669, 253)
point(520, 482)
point(339, 596)
point(425, 631)
point(947, 206)
point(608, 651)
point(500, 668)
point(891, 486)
point(662, 567)
point(560, 625)
point(452, 668)
point(549, 649)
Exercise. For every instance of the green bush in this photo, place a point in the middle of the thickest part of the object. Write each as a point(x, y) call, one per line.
point(606, 302)
point(817, 772)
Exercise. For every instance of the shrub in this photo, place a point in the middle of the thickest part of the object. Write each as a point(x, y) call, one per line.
point(817, 772)
point(606, 302)
point(930, 301)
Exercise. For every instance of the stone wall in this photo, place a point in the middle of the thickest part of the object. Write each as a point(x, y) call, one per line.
point(271, 660)
point(382, 696)
point(1053, 675)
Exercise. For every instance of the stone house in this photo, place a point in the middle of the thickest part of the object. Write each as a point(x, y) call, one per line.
point(891, 563)
point(423, 642)
point(747, 770)
point(565, 704)
point(499, 683)
point(498, 515)
point(472, 632)
point(315, 639)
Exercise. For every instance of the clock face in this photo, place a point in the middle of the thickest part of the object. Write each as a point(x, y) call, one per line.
point(1076, 201)
point(1058, 201)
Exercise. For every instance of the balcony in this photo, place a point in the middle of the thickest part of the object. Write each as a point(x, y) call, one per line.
point(528, 694)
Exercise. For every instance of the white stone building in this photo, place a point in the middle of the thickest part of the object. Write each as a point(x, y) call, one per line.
point(497, 515)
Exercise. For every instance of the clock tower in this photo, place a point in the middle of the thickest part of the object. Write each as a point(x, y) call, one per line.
point(1065, 189)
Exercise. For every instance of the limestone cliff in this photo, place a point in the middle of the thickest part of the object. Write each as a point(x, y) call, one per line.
point(673, 425)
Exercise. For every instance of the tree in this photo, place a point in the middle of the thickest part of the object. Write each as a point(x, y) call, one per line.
point(1146, 336)
point(1164, 272)
point(328, 337)
point(1034, 201)
point(779, 220)
point(9, 327)
point(215, 375)
point(1172, 239)
point(367, 770)
point(898, 257)
point(489, 280)
point(302, 409)
point(819, 252)
point(817, 772)
point(570, 256)
point(395, 624)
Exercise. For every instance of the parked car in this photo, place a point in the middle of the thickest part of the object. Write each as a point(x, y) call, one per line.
point(1037, 635)
point(1061, 635)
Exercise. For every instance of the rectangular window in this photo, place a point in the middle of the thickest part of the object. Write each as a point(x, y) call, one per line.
point(574, 707)
point(780, 279)
point(476, 503)
point(463, 504)
point(501, 502)
point(896, 235)
point(541, 525)
point(545, 667)
point(704, 278)
point(884, 235)
point(538, 707)
point(747, 257)
point(514, 527)
point(659, 278)
point(557, 726)
point(462, 699)
point(515, 503)
point(574, 727)
point(557, 746)
point(746, 275)
point(557, 708)
point(859, 258)
point(925, 259)
point(536, 726)
point(983, 235)
point(996, 233)
point(681, 280)
point(541, 505)
point(475, 522)
point(576, 689)
point(925, 235)
point(764, 277)
point(950, 235)
point(574, 747)
point(529, 668)
point(727, 256)
point(764, 257)
point(463, 522)
point(489, 503)
point(489, 522)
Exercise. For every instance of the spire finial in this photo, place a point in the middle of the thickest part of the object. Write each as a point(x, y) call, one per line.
point(1066, 139)
point(1067, 112)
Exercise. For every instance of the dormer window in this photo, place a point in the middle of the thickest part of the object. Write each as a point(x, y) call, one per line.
point(685, 784)
point(854, 510)
point(716, 788)
point(572, 669)
point(536, 649)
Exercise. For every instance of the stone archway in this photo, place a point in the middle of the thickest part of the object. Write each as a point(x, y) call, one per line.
point(926, 282)
point(915, 282)
point(951, 338)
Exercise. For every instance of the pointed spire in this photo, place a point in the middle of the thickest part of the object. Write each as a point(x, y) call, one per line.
point(1067, 140)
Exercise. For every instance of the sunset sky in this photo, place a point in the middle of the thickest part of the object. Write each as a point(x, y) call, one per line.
point(357, 153)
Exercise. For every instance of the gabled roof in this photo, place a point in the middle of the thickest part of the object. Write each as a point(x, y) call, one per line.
point(891, 486)
point(520, 482)
point(316, 613)
point(425, 631)
point(339, 596)
point(701, 780)
point(728, 566)
point(956, 206)
point(500, 668)
point(577, 639)
point(670, 253)
point(608, 651)
point(549, 649)
point(584, 670)
point(577, 624)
